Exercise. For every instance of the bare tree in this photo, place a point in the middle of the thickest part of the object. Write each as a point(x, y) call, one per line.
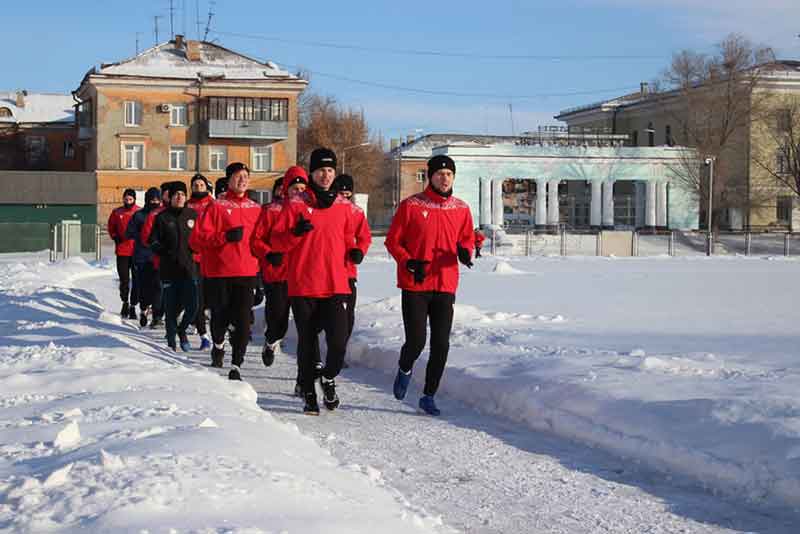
point(779, 152)
point(712, 99)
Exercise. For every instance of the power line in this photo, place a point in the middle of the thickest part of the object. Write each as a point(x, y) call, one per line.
point(435, 92)
point(439, 53)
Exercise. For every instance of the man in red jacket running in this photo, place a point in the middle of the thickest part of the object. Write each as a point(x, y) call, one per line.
point(123, 248)
point(199, 201)
point(223, 235)
point(430, 233)
point(315, 228)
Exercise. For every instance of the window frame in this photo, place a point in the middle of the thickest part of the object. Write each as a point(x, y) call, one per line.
point(142, 160)
point(255, 157)
point(423, 173)
point(178, 149)
point(212, 151)
point(136, 113)
point(179, 107)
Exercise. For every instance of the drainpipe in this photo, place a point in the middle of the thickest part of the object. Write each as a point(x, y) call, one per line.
point(197, 122)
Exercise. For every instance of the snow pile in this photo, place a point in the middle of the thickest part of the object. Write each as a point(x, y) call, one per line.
point(685, 365)
point(103, 430)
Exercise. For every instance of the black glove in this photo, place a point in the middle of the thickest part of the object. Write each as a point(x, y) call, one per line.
point(156, 247)
point(117, 240)
point(418, 268)
point(464, 256)
point(303, 226)
point(356, 256)
point(274, 258)
point(234, 235)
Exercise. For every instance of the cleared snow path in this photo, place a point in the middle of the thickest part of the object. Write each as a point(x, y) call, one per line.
point(484, 474)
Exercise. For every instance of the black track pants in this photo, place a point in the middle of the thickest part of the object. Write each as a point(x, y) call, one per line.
point(418, 308)
point(231, 300)
point(310, 316)
point(276, 310)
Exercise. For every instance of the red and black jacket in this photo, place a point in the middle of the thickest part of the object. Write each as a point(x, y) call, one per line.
point(117, 224)
point(200, 205)
point(262, 243)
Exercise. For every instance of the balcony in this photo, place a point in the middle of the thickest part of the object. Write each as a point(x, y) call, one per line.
point(243, 129)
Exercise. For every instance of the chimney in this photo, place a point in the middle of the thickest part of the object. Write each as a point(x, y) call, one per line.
point(409, 139)
point(193, 50)
point(394, 143)
point(644, 88)
point(21, 98)
point(179, 41)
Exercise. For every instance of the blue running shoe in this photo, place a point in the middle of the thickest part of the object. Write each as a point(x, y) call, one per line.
point(427, 405)
point(401, 382)
point(185, 345)
point(205, 343)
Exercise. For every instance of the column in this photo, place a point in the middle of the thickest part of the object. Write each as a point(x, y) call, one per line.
point(661, 207)
point(497, 202)
point(552, 203)
point(596, 205)
point(650, 221)
point(486, 202)
point(608, 204)
point(541, 203)
point(641, 202)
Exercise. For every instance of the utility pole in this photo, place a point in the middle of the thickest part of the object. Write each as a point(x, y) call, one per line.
point(511, 114)
point(197, 18)
point(208, 23)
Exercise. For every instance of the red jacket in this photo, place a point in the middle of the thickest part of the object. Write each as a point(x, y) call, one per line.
point(479, 238)
point(262, 243)
point(200, 206)
point(428, 227)
point(117, 224)
point(147, 229)
point(222, 259)
point(362, 238)
point(317, 259)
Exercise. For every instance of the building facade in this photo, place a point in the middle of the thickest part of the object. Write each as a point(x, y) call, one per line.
point(552, 178)
point(752, 198)
point(184, 107)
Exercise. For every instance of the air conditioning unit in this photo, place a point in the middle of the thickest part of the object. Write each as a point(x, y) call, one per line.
point(163, 108)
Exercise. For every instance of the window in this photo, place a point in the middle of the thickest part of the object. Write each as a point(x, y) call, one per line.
point(133, 156)
point(36, 148)
point(784, 211)
point(668, 135)
point(177, 158)
point(177, 115)
point(133, 113)
point(262, 158)
point(85, 114)
point(635, 138)
point(782, 161)
point(246, 109)
point(651, 135)
point(69, 150)
point(784, 120)
point(421, 175)
point(217, 158)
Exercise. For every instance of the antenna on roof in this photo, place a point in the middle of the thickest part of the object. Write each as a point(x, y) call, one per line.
point(137, 42)
point(208, 23)
point(171, 19)
point(155, 23)
point(511, 114)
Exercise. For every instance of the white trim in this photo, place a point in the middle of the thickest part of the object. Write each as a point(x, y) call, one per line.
point(136, 105)
point(268, 153)
point(177, 107)
point(123, 156)
point(217, 149)
point(178, 150)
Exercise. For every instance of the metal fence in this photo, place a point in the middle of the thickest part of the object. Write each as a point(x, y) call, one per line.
point(635, 243)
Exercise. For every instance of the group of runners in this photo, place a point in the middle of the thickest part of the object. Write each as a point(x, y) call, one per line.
point(186, 253)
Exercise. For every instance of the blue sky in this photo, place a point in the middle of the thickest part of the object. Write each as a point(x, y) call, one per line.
point(50, 44)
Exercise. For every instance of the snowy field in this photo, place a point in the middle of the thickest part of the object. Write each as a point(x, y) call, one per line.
point(581, 395)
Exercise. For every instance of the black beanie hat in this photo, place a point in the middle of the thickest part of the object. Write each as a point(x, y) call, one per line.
point(322, 157)
point(440, 162)
point(165, 186)
point(152, 194)
point(235, 167)
point(221, 186)
point(343, 182)
point(276, 187)
point(174, 187)
point(199, 176)
point(129, 193)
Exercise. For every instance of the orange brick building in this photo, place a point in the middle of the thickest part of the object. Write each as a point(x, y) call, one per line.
point(184, 107)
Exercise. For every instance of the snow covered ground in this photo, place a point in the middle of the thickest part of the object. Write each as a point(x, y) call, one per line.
point(678, 374)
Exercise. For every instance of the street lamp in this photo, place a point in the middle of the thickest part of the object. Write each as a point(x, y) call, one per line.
point(709, 162)
point(344, 153)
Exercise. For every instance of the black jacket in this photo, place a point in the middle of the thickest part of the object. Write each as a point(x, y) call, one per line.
point(170, 240)
point(141, 253)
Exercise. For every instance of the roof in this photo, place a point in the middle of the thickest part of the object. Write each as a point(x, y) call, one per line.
point(778, 67)
point(38, 108)
point(169, 60)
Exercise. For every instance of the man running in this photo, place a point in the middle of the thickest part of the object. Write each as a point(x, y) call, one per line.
point(146, 274)
point(123, 248)
point(430, 233)
point(200, 200)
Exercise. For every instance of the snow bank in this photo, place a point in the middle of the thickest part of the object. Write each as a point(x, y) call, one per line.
point(101, 430)
point(685, 366)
